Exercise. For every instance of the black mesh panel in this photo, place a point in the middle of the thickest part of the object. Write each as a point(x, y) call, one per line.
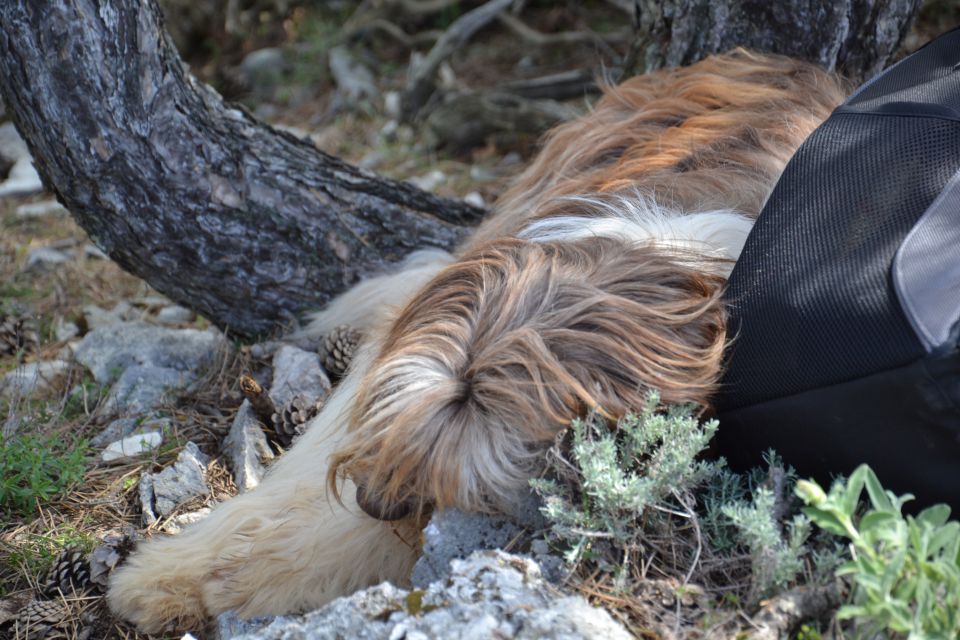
point(812, 300)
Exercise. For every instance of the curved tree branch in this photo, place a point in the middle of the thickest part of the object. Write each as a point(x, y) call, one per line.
point(220, 212)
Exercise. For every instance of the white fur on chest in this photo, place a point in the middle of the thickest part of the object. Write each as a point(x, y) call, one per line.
point(637, 219)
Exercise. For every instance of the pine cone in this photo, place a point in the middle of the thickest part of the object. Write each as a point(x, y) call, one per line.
point(290, 422)
point(339, 347)
point(42, 619)
point(18, 332)
point(111, 554)
point(70, 573)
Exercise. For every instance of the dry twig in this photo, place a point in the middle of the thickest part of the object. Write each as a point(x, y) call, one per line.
point(421, 84)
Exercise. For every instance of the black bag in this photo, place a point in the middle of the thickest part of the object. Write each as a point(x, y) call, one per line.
point(846, 299)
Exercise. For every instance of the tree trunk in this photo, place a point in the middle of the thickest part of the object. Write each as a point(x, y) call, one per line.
point(855, 37)
point(220, 212)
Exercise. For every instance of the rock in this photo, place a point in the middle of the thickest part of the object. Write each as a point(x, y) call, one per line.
point(230, 625)
point(23, 180)
point(263, 71)
point(430, 181)
point(94, 252)
point(123, 427)
point(247, 449)
point(391, 104)
point(453, 534)
point(141, 388)
point(33, 378)
point(175, 314)
point(95, 317)
point(492, 594)
point(152, 303)
point(297, 372)
point(12, 146)
point(108, 351)
point(480, 173)
point(132, 445)
point(65, 331)
point(41, 209)
point(475, 199)
point(46, 258)
point(161, 493)
point(372, 160)
point(355, 82)
point(178, 522)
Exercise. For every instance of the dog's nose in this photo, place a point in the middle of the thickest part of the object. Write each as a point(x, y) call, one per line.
point(380, 510)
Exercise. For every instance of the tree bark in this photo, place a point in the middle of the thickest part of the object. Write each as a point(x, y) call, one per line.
point(856, 37)
point(220, 212)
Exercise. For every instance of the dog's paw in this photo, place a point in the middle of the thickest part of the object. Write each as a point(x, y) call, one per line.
point(159, 589)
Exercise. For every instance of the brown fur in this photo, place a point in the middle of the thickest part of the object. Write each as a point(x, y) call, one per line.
point(456, 394)
point(524, 336)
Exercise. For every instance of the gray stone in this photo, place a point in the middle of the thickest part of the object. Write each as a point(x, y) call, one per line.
point(66, 330)
point(123, 427)
point(175, 315)
point(41, 209)
point(94, 252)
point(492, 594)
point(297, 372)
point(46, 258)
point(12, 146)
point(133, 445)
point(177, 523)
point(108, 351)
point(23, 180)
point(263, 70)
point(32, 379)
point(161, 493)
point(247, 449)
point(141, 388)
point(454, 534)
point(354, 81)
point(475, 199)
point(230, 625)
point(96, 318)
point(430, 181)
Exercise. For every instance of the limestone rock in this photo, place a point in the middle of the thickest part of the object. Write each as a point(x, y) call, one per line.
point(46, 259)
point(108, 351)
point(297, 372)
point(32, 379)
point(22, 180)
point(123, 427)
point(492, 594)
point(246, 448)
point(161, 493)
point(174, 315)
point(132, 445)
point(142, 388)
point(41, 209)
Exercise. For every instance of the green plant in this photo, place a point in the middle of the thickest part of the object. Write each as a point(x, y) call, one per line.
point(905, 570)
point(647, 464)
point(34, 468)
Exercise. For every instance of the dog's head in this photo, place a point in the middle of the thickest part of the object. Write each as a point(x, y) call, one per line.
point(503, 348)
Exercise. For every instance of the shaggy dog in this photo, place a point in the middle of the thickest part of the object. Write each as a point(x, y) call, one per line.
point(597, 278)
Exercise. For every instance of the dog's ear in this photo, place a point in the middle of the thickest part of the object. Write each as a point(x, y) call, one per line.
point(503, 348)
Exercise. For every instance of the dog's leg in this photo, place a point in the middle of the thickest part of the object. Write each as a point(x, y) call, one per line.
point(367, 304)
point(285, 546)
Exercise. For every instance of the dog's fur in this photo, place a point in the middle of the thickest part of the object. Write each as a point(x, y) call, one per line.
point(597, 278)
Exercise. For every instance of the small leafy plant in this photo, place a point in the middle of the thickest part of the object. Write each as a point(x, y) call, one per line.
point(34, 469)
point(635, 500)
point(905, 570)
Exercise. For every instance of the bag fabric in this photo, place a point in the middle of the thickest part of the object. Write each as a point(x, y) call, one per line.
point(846, 299)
